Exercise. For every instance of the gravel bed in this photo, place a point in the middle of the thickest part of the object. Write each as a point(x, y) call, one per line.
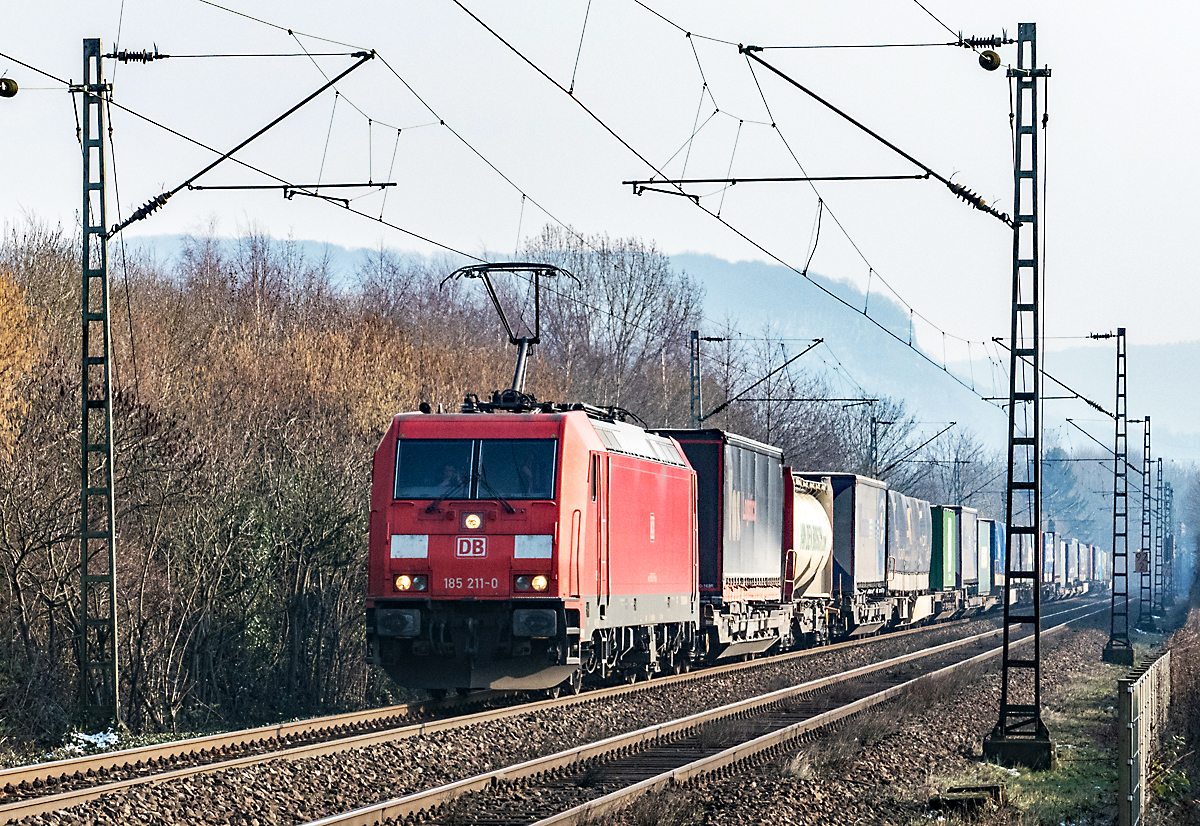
point(890, 779)
point(546, 796)
point(287, 792)
point(144, 767)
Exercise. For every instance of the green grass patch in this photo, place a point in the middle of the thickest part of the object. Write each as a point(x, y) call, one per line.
point(1081, 788)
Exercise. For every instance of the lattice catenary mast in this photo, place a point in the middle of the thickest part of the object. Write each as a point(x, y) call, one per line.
point(1168, 593)
point(97, 639)
point(1020, 736)
point(1159, 532)
point(1145, 583)
point(1119, 649)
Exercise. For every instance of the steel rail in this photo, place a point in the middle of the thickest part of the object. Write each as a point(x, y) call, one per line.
point(427, 802)
point(198, 747)
point(771, 743)
point(213, 744)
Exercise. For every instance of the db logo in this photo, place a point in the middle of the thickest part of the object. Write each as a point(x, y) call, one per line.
point(474, 547)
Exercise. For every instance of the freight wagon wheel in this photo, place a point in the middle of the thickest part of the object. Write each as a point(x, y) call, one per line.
point(552, 693)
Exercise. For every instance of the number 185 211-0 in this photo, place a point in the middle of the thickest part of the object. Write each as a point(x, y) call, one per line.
point(473, 583)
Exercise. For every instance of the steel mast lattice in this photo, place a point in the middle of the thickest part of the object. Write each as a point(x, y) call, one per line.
point(1159, 532)
point(1120, 648)
point(1145, 583)
point(97, 637)
point(1168, 593)
point(1020, 736)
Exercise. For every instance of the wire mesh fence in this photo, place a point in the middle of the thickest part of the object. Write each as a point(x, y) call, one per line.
point(1143, 699)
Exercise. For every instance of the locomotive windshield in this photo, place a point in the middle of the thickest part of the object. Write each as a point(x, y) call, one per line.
point(517, 468)
point(432, 468)
point(475, 468)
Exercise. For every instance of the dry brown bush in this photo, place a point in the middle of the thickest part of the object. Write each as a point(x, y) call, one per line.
point(250, 391)
point(18, 334)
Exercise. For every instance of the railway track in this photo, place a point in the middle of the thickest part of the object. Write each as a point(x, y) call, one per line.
point(43, 788)
point(41, 780)
point(580, 784)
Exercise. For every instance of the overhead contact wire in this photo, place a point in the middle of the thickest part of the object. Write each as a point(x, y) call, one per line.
point(709, 212)
point(277, 26)
point(328, 135)
point(723, 221)
point(579, 51)
point(845, 233)
point(935, 17)
point(774, 125)
point(440, 122)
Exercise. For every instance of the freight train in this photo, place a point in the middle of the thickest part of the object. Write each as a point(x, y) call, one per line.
point(517, 545)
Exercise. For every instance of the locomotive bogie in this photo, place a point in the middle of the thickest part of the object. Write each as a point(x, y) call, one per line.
point(632, 652)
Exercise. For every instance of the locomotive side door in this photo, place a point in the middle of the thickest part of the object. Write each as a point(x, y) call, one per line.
point(598, 524)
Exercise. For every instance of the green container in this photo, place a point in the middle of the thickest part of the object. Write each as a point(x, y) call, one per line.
point(943, 570)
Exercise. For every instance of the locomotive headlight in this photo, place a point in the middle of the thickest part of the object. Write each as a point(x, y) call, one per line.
point(524, 582)
point(539, 583)
point(404, 582)
point(472, 521)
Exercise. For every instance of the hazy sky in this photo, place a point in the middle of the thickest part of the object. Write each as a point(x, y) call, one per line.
point(1121, 164)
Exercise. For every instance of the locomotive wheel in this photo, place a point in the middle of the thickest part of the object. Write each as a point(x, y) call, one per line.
point(574, 683)
point(552, 693)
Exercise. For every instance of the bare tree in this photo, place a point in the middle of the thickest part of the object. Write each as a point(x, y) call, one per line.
point(619, 334)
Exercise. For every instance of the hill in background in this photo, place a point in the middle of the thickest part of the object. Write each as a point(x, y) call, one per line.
point(860, 358)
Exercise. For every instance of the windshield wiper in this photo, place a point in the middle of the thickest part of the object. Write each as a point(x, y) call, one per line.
point(483, 481)
point(433, 506)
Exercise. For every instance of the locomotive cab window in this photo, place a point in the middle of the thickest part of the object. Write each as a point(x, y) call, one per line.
point(517, 468)
point(475, 468)
point(432, 468)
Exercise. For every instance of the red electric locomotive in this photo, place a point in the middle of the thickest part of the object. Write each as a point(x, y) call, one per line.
point(520, 546)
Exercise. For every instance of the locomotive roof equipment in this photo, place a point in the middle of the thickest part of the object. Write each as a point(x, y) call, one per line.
point(514, 399)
